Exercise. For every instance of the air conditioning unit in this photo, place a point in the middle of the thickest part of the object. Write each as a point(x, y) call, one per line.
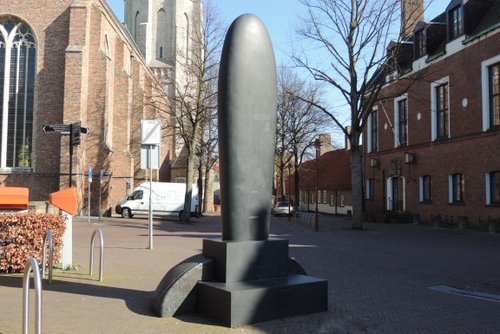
point(409, 158)
point(373, 163)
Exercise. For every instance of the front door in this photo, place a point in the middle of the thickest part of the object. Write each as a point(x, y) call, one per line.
point(398, 194)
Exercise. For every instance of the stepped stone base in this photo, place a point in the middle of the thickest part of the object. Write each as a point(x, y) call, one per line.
point(248, 302)
point(253, 283)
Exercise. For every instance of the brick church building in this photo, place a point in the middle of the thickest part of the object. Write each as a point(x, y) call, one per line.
point(433, 147)
point(72, 62)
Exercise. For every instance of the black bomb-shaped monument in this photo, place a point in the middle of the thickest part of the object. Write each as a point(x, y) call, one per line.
point(245, 276)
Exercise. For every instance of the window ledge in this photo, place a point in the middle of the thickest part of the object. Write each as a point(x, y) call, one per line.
point(16, 170)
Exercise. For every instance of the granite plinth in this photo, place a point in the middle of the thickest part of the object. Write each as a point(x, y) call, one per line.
point(238, 261)
point(243, 303)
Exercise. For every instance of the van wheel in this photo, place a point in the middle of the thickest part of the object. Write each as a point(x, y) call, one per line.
point(126, 213)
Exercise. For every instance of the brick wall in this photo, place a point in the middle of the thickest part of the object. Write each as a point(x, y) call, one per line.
point(77, 82)
point(469, 150)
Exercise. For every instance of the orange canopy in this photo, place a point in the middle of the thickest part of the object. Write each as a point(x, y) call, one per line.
point(65, 200)
point(14, 198)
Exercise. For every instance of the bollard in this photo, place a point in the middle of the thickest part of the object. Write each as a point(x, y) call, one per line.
point(48, 237)
point(101, 257)
point(32, 265)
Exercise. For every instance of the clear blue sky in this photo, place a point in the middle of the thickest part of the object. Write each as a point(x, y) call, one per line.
point(279, 16)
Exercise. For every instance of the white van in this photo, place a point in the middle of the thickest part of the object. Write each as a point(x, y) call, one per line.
point(166, 199)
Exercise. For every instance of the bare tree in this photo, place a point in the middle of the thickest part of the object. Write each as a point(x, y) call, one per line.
point(352, 36)
point(191, 92)
point(299, 124)
point(195, 101)
point(207, 149)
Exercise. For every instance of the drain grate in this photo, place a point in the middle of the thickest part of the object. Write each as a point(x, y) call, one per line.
point(465, 293)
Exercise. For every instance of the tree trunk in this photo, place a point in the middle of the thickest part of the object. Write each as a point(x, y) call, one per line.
point(282, 182)
point(296, 201)
point(207, 196)
point(186, 212)
point(201, 192)
point(357, 187)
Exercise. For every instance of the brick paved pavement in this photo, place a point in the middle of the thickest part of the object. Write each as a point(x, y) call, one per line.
point(379, 280)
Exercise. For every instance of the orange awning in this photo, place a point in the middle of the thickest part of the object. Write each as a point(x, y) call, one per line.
point(14, 198)
point(65, 200)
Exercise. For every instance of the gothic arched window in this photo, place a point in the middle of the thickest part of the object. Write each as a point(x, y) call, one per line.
point(17, 90)
point(161, 39)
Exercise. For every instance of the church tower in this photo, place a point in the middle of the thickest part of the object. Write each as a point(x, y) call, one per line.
point(164, 31)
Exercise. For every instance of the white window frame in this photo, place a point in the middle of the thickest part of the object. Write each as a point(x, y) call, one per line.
point(370, 188)
point(434, 114)
point(9, 39)
point(421, 189)
point(396, 120)
point(488, 188)
point(485, 89)
point(370, 130)
point(450, 189)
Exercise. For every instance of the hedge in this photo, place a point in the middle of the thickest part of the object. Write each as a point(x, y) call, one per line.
point(22, 235)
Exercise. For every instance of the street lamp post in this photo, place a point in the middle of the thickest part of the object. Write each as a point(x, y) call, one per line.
point(317, 144)
point(289, 169)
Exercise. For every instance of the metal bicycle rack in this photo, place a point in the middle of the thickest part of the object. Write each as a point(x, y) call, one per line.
point(101, 258)
point(32, 265)
point(48, 237)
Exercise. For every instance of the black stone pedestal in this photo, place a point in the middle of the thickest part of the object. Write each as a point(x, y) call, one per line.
point(253, 284)
point(254, 301)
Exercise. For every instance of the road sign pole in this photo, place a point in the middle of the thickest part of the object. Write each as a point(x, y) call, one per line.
point(70, 157)
point(150, 198)
point(101, 175)
point(89, 194)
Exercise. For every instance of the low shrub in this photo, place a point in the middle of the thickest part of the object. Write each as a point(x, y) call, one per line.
point(22, 235)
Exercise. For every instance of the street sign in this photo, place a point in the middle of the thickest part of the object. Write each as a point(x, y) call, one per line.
point(90, 174)
point(146, 163)
point(150, 132)
point(62, 128)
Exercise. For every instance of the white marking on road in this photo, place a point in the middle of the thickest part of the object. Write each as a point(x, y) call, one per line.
point(465, 293)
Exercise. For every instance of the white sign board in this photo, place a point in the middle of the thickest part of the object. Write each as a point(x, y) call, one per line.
point(155, 157)
point(150, 132)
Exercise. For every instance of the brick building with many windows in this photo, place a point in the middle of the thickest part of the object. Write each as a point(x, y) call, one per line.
point(433, 139)
point(65, 62)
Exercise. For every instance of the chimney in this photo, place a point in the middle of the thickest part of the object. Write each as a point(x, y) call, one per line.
point(412, 11)
point(326, 143)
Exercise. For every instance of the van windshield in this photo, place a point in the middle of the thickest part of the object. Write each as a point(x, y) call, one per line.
point(136, 195)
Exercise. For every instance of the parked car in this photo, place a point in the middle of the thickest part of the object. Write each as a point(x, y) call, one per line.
point(281, 208)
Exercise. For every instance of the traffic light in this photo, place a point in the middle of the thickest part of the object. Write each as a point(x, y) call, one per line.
point(75, 134)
